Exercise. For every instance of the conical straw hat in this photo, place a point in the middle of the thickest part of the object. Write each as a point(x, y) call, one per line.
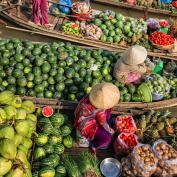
point(134, 55)
point(104, 96)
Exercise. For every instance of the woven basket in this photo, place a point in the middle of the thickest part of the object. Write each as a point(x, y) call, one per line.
point(163, 47)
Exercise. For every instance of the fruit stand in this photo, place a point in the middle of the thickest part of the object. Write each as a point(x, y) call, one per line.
point(50, 125)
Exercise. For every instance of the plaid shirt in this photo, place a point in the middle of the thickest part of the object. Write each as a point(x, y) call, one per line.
point(88, 119)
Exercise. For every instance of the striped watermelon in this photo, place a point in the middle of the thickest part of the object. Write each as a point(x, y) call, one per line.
point(55, 139)
point(65, 130)
point(49, 149)
point(41, 139)
point(51, 161)
point(47, 171)
point(39, 153)
point(57, 120)
point(68, 141)
point(60, 171)
point(59, 149)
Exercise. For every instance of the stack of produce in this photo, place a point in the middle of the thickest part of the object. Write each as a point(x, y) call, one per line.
point(155, 125)
point(85, 165)
point(119, 29)
point(161, 39)
point(17, 124)
point(72, 28)
point(52, 138)
point(127, 139)
point(159, 160)
point(58, 70)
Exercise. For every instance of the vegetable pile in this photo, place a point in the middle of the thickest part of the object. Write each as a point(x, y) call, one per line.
point(160, 38)
point(117, 28)
point(50, 143)
point(72, 28)
point(85, 164)
point(145, 161)
point(17, 124)
point(155, 125)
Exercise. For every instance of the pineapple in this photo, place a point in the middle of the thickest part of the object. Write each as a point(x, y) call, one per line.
point(160, 126)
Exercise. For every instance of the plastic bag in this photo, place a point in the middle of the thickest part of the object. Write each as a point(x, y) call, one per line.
point(144, 162)
point(63, 8)
point(127, 170)
point(166, 155)
point(125, 142)
point(125, 124)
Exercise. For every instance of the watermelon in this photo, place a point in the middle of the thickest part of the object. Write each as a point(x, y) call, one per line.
point(55, 139)
point(47, 111)
point(49, 148)
point(47, 172)
point(39, 153)
point(51, 161)
point(60, 171)
point(65, 130)
point(57, 120)
point(41, 139)
point(68, 141)
point(59, 149)
point(43, 121)
point(47, 129)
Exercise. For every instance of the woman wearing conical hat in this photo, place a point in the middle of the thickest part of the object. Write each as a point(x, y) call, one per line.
point(131, 66)
point(93, 115)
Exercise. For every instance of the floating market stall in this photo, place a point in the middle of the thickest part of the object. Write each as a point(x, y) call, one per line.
point(39, 140)
point(155, 7)
point(68, 72)
point(107, 30)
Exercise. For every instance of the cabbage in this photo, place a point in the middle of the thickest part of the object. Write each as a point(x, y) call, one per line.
point(2, 116)
point(32, 117)
point(22, 127)
point(10, 112)
point(17, 172)
point(21, 113)
point(18, 139)
point(5, 166)
point(8, 148)
point(27, 143)
point(6, 131)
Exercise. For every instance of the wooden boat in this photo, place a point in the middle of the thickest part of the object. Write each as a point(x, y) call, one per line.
point(21, 17)
point(136, 107)
point(145, 9)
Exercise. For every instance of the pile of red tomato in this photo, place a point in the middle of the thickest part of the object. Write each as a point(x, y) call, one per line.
point(162, 39)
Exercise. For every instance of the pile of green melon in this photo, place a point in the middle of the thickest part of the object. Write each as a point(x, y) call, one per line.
point(17, 124)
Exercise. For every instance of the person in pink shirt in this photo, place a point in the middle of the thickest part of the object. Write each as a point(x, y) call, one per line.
point(93, 115)
point(40, 13)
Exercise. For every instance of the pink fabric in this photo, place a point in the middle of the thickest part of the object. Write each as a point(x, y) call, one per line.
point(133, 77)
point(40, 6)
point(89, 119)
